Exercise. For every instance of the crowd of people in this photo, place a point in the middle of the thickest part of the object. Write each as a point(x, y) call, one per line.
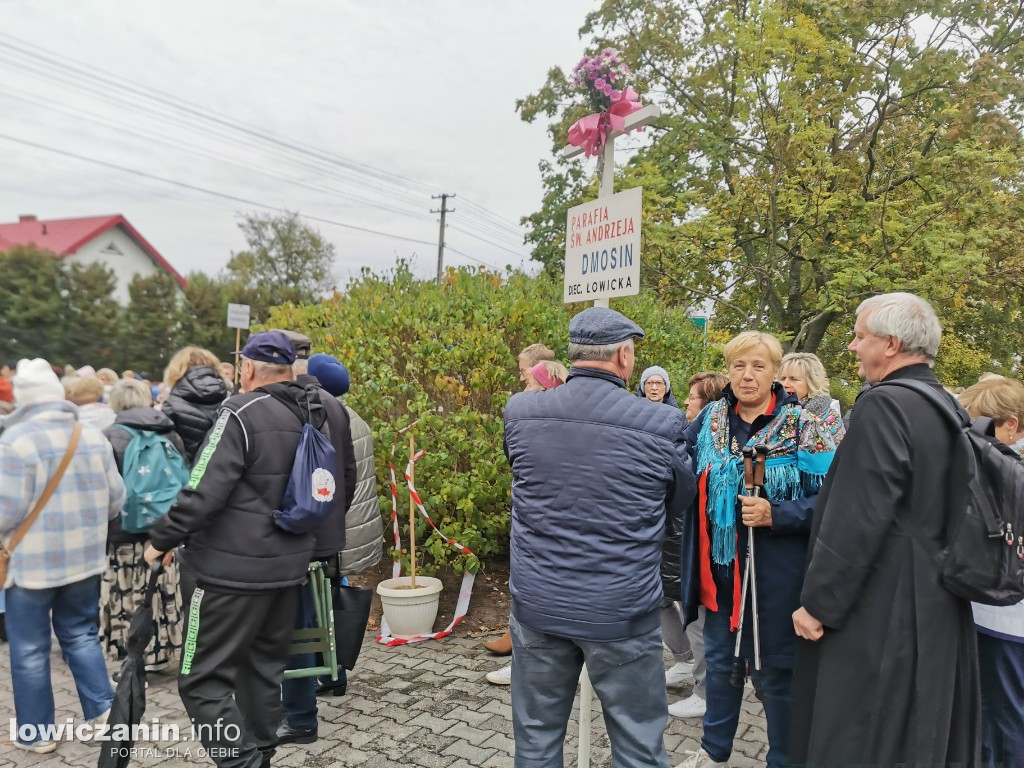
point(752, 531)
point(635, 527)
point(187, 474)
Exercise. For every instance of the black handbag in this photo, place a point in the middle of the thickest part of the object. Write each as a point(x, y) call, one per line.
point(351, 614)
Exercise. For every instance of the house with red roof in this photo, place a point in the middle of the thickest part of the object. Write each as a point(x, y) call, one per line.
point(109, 240)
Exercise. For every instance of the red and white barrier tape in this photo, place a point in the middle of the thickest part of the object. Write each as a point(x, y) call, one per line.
point(465, 590)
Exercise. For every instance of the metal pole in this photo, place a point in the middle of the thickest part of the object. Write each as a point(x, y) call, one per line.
point(586, 706)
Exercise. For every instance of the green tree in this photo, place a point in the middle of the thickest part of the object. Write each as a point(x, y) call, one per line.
point(151, 323)
point(286, 261)
point(91, 316)
point(204, 315)
point(812, 153)
point(31, 304)
point(454, 345)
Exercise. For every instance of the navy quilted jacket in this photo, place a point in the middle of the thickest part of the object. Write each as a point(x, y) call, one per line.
point(596, 473)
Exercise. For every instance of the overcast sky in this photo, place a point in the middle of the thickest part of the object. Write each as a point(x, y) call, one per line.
point(395, 101)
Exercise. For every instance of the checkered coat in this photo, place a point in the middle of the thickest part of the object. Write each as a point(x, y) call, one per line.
point(67, 543)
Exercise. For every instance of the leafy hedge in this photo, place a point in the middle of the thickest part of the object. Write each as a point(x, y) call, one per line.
point(412, 346)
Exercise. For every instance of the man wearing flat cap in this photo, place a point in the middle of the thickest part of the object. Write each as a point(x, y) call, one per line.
point(239, 620)
point(597, 477)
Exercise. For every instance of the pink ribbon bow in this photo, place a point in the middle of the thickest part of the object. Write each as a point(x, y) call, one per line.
point(591, 132)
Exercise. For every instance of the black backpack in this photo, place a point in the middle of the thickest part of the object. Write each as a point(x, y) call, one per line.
point(983, 560)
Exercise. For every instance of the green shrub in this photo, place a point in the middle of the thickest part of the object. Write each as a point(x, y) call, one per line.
point(412, 346)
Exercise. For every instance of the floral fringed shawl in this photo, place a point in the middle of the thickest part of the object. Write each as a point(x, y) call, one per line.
point(800, 450)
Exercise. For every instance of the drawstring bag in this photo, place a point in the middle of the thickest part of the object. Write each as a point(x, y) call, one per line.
point(309, 496)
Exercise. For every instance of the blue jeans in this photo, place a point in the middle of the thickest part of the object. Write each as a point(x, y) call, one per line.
point(724, 699)
point(298, 696)
point(74, 608)
point(628, 677)
point(1001, 663)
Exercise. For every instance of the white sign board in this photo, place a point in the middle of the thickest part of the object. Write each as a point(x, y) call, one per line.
point(602, 247)
point(238, 316)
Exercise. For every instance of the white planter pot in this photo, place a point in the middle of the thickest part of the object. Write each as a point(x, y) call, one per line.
point(410, 612)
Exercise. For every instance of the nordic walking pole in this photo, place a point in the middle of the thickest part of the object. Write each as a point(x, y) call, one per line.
point(761, 455)
point(412, 514)
point(738, 671)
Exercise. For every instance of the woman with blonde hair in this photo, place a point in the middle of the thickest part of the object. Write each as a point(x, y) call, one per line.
point(87, 393)
point(754, 411)
point(196, 392)
point(1001, 400)
point(1000, 630)
point(802, 375)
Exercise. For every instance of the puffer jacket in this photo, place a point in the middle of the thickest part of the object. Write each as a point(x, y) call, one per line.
point(596, 473)
point(238, 480)
point(148, 419)
point(193, 404)
point(364, 528)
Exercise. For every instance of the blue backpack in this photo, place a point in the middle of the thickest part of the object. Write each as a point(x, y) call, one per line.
point(153, 473)
point(309, 496)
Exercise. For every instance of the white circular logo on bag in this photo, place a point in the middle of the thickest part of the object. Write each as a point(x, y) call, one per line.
point(323, 485)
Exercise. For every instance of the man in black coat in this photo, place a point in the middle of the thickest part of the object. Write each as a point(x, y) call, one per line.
point(887, 671)
point(298, 695)
point(238, 632)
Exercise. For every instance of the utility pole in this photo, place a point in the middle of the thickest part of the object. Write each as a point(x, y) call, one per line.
point(440, 237)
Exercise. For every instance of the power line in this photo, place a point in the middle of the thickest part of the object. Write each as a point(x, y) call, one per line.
point(139, 89)
point(476, 222)
point(206, 191)
point(197, 150)
point(81, 70)
point(485, 240)
point(473, 258)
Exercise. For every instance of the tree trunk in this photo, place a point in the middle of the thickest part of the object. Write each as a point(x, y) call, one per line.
point(808, 339)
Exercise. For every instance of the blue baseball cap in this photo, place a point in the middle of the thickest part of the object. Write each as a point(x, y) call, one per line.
point(269, 347)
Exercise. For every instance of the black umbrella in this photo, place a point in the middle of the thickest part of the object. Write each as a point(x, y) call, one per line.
point(130, 695)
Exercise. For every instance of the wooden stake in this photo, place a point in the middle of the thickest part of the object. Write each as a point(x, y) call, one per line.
point(412, 513)
point(238, 346)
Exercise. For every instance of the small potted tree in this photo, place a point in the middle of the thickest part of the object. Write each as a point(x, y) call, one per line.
point(410, 602)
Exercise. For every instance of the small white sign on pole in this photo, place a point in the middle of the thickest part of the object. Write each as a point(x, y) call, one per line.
point(238, 316)
point(602, 247)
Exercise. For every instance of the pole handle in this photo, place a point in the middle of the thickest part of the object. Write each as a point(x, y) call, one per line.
point(748, 469)
point(761, 452)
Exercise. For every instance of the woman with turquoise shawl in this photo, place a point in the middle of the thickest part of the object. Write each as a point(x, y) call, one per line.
point(754, 410)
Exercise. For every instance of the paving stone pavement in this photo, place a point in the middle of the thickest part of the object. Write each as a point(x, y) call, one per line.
point(425, 705)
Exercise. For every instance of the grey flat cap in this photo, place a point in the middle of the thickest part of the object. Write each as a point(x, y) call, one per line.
point(599, 325)
point(300, 341)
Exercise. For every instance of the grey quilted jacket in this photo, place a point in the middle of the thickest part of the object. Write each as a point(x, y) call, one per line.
point(364, 530)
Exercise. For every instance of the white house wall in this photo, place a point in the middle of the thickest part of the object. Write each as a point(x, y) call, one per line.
point(131, 260)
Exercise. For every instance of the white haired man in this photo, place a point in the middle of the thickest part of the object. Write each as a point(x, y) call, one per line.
point(887, 672)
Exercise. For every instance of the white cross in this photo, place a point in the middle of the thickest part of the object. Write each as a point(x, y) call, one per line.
point(143, 470)
point(606, 162)
point(149, 497)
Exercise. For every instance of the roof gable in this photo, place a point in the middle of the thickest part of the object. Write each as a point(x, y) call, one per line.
point(65, 236)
